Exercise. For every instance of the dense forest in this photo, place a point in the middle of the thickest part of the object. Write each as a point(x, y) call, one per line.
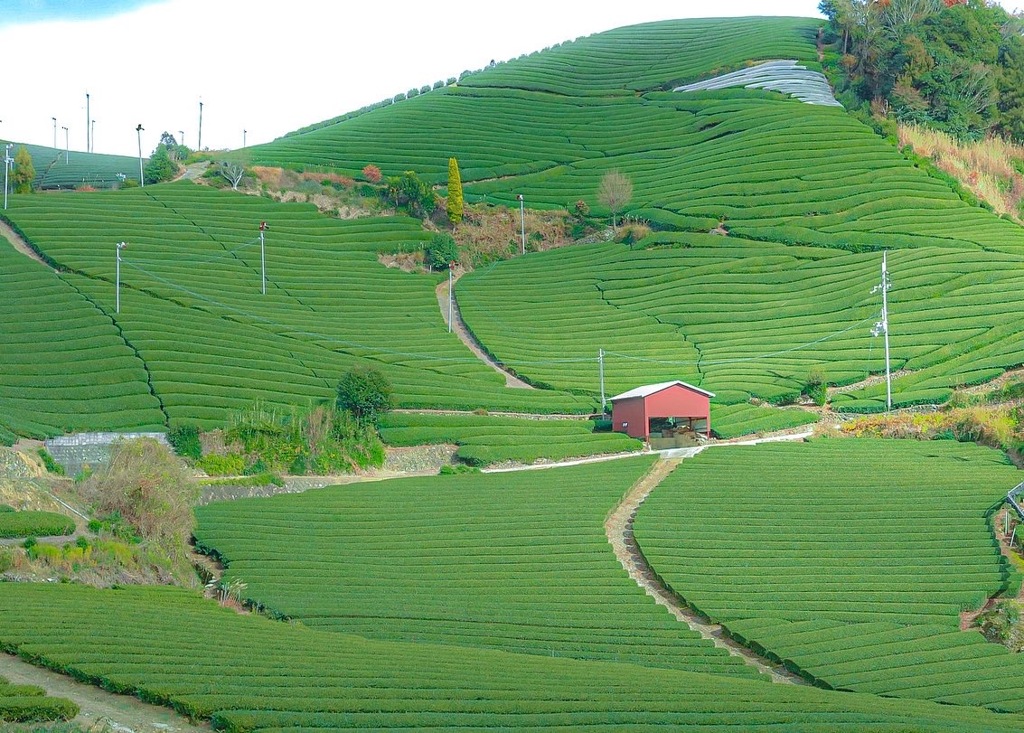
point(954, 65)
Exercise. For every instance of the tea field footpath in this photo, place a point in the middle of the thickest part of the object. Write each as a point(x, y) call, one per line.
point(458, 326)
point(97, 707)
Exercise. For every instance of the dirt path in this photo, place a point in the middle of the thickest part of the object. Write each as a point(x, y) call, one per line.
point(459, 328)
point(619, 529)
point(121, 713)
point(19, 244)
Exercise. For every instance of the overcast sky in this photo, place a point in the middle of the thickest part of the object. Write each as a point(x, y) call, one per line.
point(269, 67)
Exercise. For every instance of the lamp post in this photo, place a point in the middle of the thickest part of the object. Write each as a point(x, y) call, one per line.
point(54, 132)
point(243, 137)
point(117, 281)
point(67, 146)
point(88, 119)
point(522, 222)
point(263, 257)
point(92, 137)
point(142, 176)
point(7, 167)
point(199, 145)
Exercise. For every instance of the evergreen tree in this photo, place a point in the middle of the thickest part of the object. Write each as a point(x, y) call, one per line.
point(23, 173)
point(455, 200)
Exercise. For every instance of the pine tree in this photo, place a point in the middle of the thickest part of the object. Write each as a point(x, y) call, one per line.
point(455, 200)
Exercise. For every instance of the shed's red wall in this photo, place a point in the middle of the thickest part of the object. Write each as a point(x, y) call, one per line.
point(674, 401)
point(677, 401)
point(630, 412)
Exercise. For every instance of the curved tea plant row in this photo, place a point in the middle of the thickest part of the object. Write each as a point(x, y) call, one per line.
point(247, 673)
point(517, 562)
point(847, 560)
point(63, 363)
point(485, 439)
point(30, 704)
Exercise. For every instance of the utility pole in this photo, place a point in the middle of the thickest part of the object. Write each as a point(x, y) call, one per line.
point(522, 222)
point(117, 279)
point(450, 307)
point(600, 366)
point(88, 119)
point(882, 327)
point(54, 132)
point(243, 137)
point(263, 257)
point(67, 146)
point(142, 176)
point(199, 145)
point(7, 166)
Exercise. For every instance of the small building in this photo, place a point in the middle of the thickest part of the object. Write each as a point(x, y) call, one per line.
point(669, 411)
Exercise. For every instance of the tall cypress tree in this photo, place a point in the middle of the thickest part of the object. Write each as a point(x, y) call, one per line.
point(455, 200)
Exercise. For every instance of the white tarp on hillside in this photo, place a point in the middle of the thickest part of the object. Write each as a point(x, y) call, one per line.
point(788, 77)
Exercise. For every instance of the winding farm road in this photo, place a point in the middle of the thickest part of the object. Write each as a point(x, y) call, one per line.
point(619, 529)
point(460, 330)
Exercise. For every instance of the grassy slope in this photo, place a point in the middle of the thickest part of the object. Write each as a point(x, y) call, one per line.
point(850, 560)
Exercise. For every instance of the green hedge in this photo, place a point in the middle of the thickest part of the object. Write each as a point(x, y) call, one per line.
point(35, 524)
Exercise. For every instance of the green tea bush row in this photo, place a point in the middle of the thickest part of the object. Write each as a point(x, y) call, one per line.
point(865, 554)
point(34, 523)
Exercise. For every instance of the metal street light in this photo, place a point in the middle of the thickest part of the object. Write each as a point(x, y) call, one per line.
point(243, 137)
point(522, 221)
point(54, 132)
point(67, 146)
point(142, 177)
point(117, 281)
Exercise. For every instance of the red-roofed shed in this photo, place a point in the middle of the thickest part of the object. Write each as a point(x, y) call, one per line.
point(655, 407)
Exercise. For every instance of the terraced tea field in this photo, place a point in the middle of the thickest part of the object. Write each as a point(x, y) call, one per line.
point(484, 439)
point(193, 313)
point(750, 319)
point(848, 560)
point(516, 562)
point(248, 673)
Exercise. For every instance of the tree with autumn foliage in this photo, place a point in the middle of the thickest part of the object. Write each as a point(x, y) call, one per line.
point(456, 202)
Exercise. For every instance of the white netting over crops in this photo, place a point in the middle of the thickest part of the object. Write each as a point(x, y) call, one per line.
point(788, 77)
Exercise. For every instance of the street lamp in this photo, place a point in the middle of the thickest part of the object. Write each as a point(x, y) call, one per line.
point(522, 221)
point(54, 132)
point(117, 281)
point(7, 167)
point(142, 177)
point(67, 146)
point(243, 137)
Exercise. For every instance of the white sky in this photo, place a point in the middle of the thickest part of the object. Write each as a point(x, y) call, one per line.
point(272, 67)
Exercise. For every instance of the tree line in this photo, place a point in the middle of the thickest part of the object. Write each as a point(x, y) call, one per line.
point(953, 65)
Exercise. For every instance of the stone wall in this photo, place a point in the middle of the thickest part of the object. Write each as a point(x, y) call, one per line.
point(74, 452)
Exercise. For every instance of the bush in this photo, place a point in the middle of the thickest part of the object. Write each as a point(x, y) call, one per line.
point(215, 464)
point(442, 251)
point(372, 173)
point(185, 441)
point(365, 392)
point(149, 488)
point(51, 465)
point(4, 508)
